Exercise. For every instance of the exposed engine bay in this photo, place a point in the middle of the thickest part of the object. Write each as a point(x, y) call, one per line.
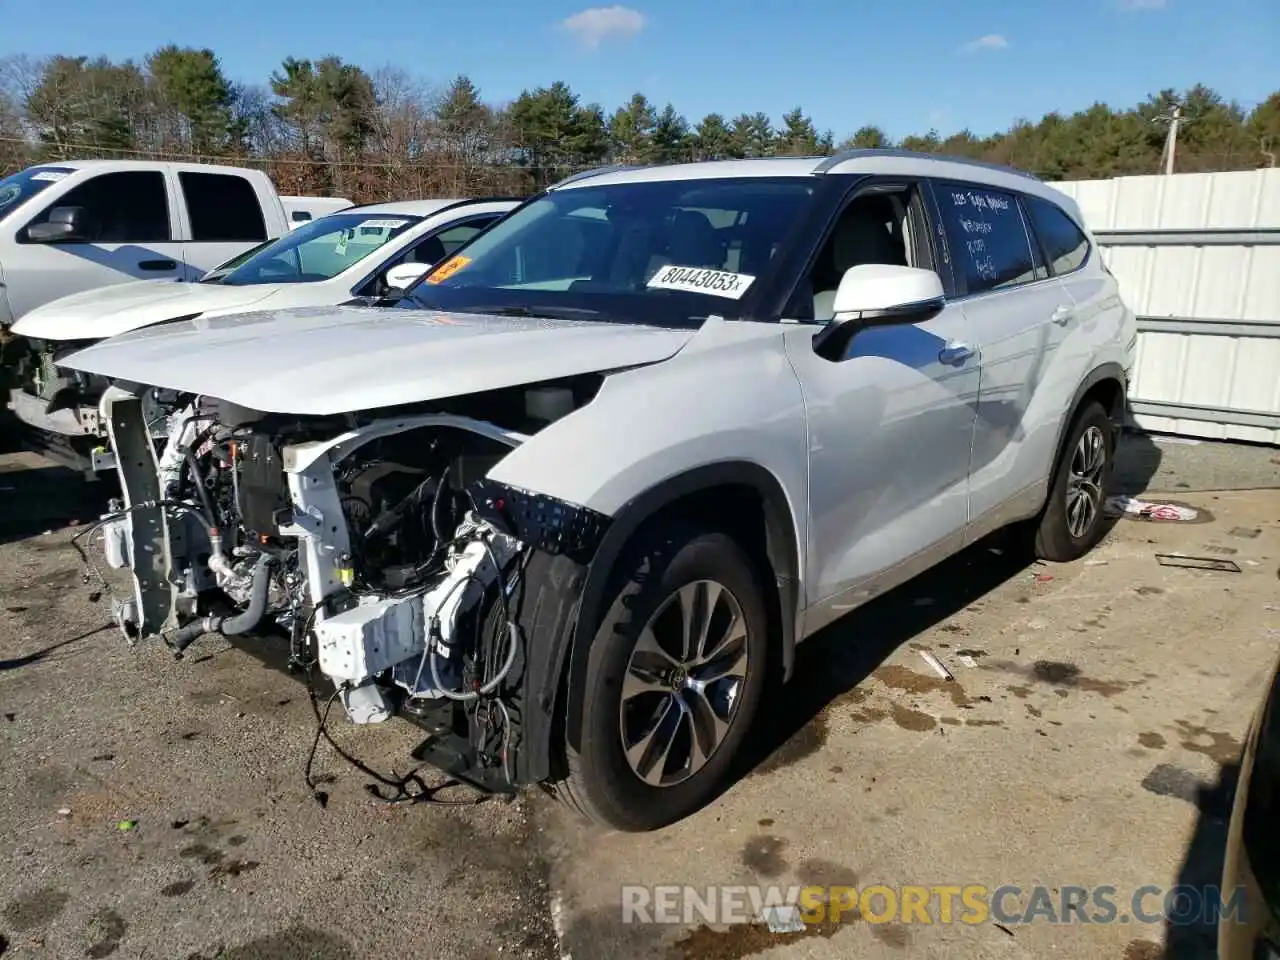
point(374, 542)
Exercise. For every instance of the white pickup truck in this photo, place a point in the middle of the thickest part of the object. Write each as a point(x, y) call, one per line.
point(76, 225)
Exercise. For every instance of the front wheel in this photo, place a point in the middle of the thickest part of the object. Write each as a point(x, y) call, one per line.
point(673, 679)
point(1072, 522)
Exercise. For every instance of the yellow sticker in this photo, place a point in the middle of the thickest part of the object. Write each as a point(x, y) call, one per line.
point(448, 269)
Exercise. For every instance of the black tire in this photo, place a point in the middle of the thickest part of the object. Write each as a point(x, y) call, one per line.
point(1054, 536)
point(601, 782)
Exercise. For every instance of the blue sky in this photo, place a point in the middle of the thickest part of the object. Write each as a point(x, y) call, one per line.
point(903, 65)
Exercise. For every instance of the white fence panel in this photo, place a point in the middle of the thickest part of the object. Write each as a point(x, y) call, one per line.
point(1197, 256)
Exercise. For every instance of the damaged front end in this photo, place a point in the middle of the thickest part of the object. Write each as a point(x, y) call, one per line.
point(60, 407)
point(401, 573)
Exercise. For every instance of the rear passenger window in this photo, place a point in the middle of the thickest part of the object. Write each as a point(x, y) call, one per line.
point(128, 207)
point(222, 208)
point(988, 239)
point(1064, 244)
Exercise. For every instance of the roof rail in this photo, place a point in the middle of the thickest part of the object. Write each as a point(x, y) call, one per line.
point(861, 152)
point(597, 171)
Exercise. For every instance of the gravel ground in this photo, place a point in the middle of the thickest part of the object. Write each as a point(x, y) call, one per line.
point(157, 809)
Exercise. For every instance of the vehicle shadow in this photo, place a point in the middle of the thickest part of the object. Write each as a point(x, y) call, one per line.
point(1202, 867)
point(1138, 459)
point(36, 496)
point(837, 659)
point(27, 659)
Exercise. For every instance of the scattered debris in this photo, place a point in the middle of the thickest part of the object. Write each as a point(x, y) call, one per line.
point(1244, 533)
point(64, 811)
point(783, 918)
point(996, 550)
point(967, 660)
point(1123, 505)
point(124, 826)
point(1196, 563)
point(937, 665)
point(1096, 563)
point(1003, 929)
point(1043, 577)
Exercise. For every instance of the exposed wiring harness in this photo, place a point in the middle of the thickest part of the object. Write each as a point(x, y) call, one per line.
point(388, 788)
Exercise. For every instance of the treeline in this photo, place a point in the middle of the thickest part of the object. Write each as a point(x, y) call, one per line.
point(329, 127)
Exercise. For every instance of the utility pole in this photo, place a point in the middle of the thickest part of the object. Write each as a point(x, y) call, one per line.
point(1174, 120)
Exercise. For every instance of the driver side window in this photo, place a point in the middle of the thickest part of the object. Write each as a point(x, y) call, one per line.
point(877, 226)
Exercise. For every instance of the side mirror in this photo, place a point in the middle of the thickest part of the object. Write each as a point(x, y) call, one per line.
point(404, 275)
point(877, 293)
point(65, 224)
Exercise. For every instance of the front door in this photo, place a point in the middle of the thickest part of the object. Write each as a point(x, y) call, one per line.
point(890, 418)
point(130, 236)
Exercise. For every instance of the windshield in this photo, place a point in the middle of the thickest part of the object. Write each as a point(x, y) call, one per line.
point(25, 184)
point(664, 251)
point(320, 249)
point(222, 269)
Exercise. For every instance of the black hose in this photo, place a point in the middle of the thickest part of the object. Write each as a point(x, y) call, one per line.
point(242, 622)
point(247, 619)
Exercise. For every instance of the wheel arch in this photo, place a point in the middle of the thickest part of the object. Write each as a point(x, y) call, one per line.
point(726, 491)
point(1104, 383)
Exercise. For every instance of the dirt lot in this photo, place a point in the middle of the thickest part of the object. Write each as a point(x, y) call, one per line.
point(1089, 737)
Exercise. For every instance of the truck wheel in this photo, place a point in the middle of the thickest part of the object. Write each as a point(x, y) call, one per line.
point(1072, 521)
point(673, 679)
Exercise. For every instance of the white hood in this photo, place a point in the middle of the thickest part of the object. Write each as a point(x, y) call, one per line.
point(112, 310)
point(320, 361)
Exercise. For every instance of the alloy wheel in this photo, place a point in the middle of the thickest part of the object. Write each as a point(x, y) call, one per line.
point(1084, 482)
point(683, 682)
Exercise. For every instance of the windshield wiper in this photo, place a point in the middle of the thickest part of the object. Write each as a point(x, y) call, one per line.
point(545, 313)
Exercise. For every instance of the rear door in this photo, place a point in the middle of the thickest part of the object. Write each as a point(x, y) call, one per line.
point(1016, 313)
point(223, 217)
point(130, 235)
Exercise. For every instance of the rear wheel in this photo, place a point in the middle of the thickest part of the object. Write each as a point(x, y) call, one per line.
point(673, 680)
point(1072, 521)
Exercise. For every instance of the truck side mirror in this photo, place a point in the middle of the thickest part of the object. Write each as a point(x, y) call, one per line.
point(65, 224)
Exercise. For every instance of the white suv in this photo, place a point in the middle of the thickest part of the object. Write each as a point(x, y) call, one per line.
point(692, 413)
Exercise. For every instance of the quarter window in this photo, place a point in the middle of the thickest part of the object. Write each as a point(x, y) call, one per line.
point(1065, 245)
point(130, 207)
point(987, 237)
point(223, 208)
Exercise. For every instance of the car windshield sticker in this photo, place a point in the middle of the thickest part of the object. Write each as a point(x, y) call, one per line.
point(448, 269)
point(717, 283)
point(340, 248)
point(53, 176)
point(384, 224)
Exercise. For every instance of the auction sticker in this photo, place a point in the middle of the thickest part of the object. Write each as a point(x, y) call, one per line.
point(384, 224)
point(717, 283)
point(52, 176)
point(447, 269)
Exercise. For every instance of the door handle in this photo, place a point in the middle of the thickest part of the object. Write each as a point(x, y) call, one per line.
point(157, 265)
point(1062, 316)
point(954, 354)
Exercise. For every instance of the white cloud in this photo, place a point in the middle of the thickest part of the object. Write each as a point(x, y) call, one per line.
point(597, 24)
point(992, 41)
point(1142, 4)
